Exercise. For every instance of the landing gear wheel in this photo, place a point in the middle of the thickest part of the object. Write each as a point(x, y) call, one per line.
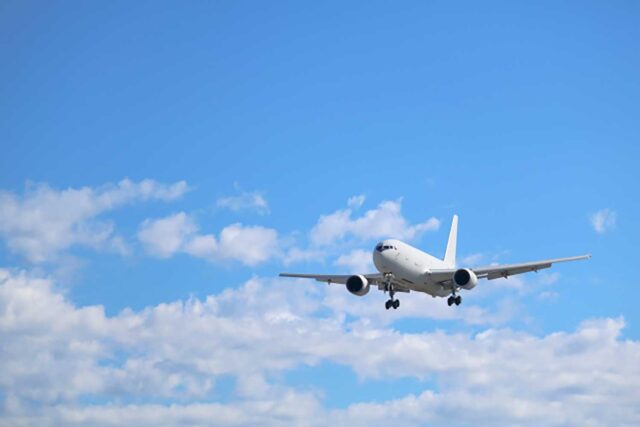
point(388, 304)
point(458, 300)
point(450, 301)
point(396, 304)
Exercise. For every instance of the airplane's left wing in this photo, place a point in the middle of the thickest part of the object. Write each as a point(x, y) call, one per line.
point(491, 272)
point(497, 271)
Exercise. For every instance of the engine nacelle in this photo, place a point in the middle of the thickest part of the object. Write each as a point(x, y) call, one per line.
point(358, 285)
point(465, 278)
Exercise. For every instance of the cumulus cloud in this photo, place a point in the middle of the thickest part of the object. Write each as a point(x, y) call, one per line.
point(178, 233)
point(62, 364)
point(384, 221)
point(295, 255)
point(604, 220)
point(165, 236)
point(357, 261)
point(472, 260)
point(43, 222)
point(245, 201)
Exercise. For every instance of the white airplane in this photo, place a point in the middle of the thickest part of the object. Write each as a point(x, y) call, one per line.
point(403, 268)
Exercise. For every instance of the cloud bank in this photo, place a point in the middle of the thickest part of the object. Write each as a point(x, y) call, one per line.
point(63, 364)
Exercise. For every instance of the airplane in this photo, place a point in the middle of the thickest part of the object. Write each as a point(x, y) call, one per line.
point(403, 268)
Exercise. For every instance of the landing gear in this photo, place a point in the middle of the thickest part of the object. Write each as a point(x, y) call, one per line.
point(391, 302)
point(454, 299)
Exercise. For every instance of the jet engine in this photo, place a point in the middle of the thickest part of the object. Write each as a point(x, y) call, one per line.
point(358, 285)
point(465, 278)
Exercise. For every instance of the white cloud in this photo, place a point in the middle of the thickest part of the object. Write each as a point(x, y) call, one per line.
point(356, 201)
point(44, 222)
point(472, 260)
point(166, 236)
point(384, 221)
point(249, 244)
point(604, 220)
point(357, 261)
point(245, 201)
point(176, 233)
point(296, 255)
point(166, 360)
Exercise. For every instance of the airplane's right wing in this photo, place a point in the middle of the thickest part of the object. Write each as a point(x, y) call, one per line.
point(375, 279)
point(333, 278)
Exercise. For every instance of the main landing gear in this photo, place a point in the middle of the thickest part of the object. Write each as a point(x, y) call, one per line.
point(454, 299)
point(392, 302)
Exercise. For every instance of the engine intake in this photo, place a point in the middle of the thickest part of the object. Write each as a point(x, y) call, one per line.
point(465, 278)
point(358, 285)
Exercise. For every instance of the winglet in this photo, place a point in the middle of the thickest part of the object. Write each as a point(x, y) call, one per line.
point(450, 254)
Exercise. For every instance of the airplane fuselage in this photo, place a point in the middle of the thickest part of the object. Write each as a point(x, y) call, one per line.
point(409, 266)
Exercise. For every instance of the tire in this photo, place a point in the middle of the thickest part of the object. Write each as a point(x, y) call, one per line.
point(450, 301)
point(458, 300)
point(387, 305)
point(396, 304)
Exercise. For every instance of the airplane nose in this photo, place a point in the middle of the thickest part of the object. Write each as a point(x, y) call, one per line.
point(378, 259)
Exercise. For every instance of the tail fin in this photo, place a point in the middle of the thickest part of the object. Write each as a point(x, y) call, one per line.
point(450, 254)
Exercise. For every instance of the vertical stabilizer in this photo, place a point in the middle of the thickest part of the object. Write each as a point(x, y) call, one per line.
point(450, 254)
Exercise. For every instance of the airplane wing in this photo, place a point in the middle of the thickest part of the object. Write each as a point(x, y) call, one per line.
point(491, 272)
point(375, 279)
point(333, 278)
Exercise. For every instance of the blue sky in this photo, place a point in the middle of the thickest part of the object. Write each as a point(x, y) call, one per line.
point(162, 163)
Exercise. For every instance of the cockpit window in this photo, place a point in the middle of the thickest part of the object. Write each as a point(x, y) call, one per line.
point(382, 248)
